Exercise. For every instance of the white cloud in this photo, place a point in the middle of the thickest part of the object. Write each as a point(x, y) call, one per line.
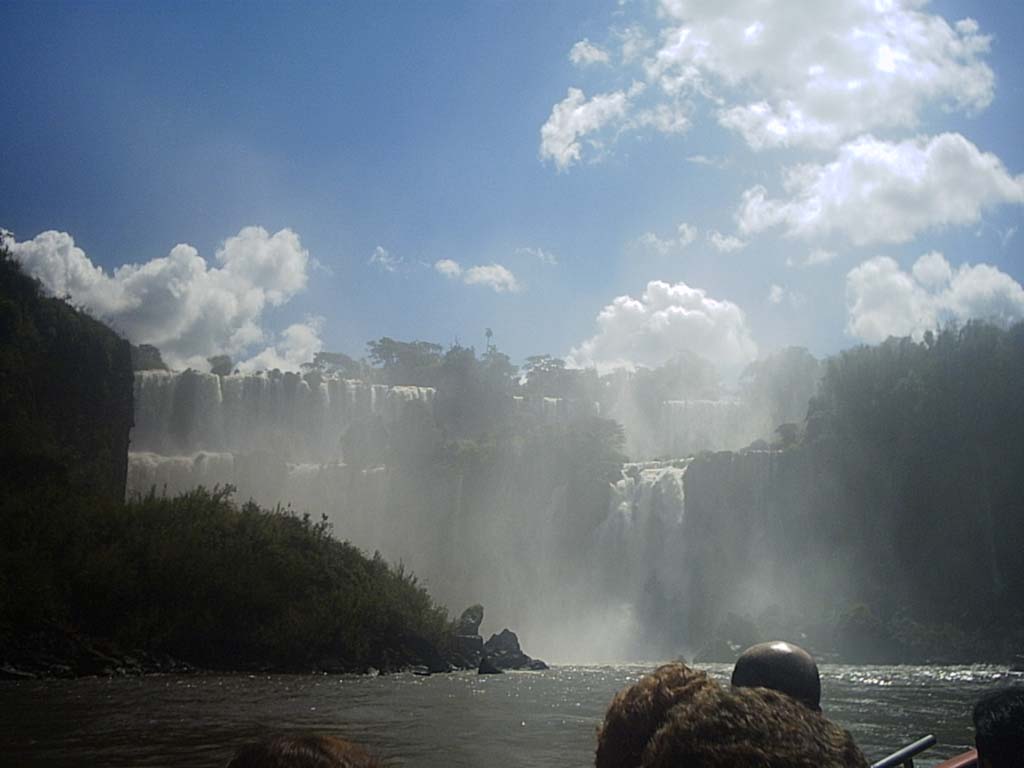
point(713, 162)
point(297, 344)
point(574, 118)
point(666, 118)
point(448, 267)
point(812, 259)
point(818, 73)
point(932, 270)
point(181, 304)
point(494, 276)
point(725, 243)
point(585, 53)
point(666, 320)
point(685, 234)
point(883, 300)
point(635, 43)
point(777, 294)
point(883, 192)
point(383, 259)
point(783, 73)
point(545, 257)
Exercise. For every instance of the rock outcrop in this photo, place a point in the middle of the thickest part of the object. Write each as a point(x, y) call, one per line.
point(503, 651)
point(467, 645)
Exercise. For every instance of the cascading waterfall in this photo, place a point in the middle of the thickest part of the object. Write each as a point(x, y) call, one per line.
point(690, 426)
point(637, 552)
point(500, 534)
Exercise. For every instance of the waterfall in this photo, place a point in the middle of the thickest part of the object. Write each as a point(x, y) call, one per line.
point(633, 567)
point(690, 426)
point(507, 530)
point(639, 540)
point(277, 438)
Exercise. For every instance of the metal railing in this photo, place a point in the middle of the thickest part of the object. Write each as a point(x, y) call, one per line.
point(905, 755)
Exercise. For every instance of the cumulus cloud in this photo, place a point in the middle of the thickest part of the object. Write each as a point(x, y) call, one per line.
point(665, 321)
point(297, 344)
point(815, 74)
point(784, 74)
point(666, 118)
point(776, 294)
point(685, 234)
point(575, 117)
point(384, 260)
point(725, 243)
point(585, 53)
point(885, 192)
point(494, 276)
point(883, 300)
point(179, 303)
point(634, 43)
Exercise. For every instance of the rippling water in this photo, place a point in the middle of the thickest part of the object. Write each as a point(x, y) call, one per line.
point(532, 719)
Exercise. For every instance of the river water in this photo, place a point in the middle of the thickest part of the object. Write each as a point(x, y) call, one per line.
point(535, 719)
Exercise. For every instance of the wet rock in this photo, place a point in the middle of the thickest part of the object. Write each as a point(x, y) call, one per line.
point(487, 667)
point(467, 647)
point(467, 650)
point(470, 620)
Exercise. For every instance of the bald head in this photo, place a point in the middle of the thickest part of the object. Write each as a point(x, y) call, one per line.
point(780, 666)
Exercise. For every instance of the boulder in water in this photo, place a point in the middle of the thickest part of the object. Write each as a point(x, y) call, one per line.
point(467, 647)
point(504, 651)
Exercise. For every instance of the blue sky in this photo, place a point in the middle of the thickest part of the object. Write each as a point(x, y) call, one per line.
point(723, 177)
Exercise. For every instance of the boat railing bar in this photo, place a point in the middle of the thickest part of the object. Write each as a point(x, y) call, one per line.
point(905, 755)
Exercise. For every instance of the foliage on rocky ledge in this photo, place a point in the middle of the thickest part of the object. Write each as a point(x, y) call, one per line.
point(206, 580)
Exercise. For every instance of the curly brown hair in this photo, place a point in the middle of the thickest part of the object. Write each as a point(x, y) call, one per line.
point(749, 728)
point(304, 751)
point(637, 712)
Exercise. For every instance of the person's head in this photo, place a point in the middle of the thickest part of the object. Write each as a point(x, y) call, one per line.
point(780, 666)
point(999, 728)
point(749, 728)
point(638, 711)
point(303, 751)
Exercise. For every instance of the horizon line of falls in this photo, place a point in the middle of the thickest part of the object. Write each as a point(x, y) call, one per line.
point(506, 530)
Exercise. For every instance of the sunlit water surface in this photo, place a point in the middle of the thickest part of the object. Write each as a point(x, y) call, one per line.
point(532, 719)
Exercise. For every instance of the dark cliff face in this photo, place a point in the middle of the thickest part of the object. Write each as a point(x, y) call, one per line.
point(65, 391)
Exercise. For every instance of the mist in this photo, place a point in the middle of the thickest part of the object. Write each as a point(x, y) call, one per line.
point(553, 496)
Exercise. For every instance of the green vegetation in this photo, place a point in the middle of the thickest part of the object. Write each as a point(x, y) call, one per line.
point(208, 581)
point(65, 389)
point(890, 528)
point(929, 439)
point(146, 357)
